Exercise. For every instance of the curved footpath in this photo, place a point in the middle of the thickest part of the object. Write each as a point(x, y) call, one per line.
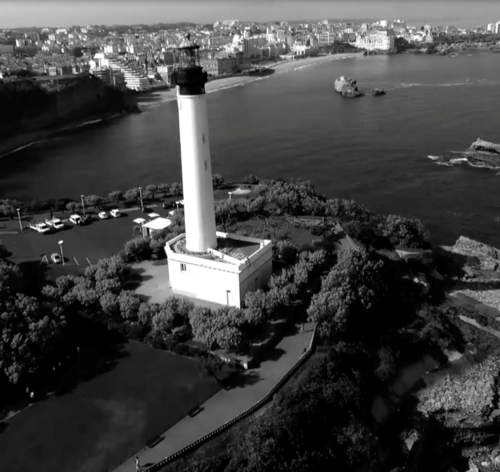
point(226, 404)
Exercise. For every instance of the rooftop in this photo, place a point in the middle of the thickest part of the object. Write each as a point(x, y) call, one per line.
point(234, 248)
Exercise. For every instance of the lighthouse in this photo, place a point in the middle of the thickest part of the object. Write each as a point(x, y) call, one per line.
point(206, 264)
point(199, 209)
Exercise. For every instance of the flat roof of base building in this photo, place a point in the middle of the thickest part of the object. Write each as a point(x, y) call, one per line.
point(230, 245)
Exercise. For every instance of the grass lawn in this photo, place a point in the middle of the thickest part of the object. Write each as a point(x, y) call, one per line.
point(108, 418)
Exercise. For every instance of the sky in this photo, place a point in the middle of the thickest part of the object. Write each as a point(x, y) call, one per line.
point(25, 13)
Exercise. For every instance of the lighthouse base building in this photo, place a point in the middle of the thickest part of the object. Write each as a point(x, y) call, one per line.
point(223, 275)
point(204, 263)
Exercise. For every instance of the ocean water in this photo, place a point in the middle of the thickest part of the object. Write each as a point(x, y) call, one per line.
point(292, 125)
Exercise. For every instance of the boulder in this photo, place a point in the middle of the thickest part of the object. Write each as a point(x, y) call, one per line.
point(377, 92)
point(347, 87)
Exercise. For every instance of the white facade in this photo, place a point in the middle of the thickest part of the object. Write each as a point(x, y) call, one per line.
point(222, 279)
point(135, 77)
point(379, 40)
point(199, 206)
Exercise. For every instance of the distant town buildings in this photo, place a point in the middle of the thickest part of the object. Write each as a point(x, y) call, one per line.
point(377, 40)
point(144, 54)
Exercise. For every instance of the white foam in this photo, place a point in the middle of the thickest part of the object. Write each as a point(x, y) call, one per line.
point(433, 158)
point(458, 160)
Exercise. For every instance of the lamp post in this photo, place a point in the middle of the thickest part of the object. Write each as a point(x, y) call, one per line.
point(83, 204)
point(140, 196)
point(19, 218)
point(62, 253)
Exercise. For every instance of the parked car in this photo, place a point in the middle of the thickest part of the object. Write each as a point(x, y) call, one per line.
point(115, 213)
point(39, 227)
point(103, 215)
point(76, 219)
point(56, 258)
point(55, 223)
point(166, 205)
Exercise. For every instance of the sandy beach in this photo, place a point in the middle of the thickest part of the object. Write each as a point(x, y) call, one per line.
point(280, 68)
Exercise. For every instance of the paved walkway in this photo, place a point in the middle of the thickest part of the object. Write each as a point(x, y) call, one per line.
point(226, 404)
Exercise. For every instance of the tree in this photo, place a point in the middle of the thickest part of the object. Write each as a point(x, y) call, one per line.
point(217, 181)
point(176, 189)
point(93, 201)
point(115, 196)
point(77, 52)
point(138, 249)
point(71, 206)
point(109, 268)
point(31, 335)
point(129, 305)
point(6, 209)
point(256, 206)
point(405, 232)
point(164, 189)
point(285, 251)
point(151, 190)
point(11, 281)
point(251, 179)
point(223, 211)
point(350, 294)
point(163, 320)
point(132, 195)
point(256, 308)
point(3, 252)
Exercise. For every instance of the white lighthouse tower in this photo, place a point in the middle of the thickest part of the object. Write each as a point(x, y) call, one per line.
point(203, 263)
point(195, 150)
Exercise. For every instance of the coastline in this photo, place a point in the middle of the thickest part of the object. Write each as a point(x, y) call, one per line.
point(30, 138)
point(280, 67)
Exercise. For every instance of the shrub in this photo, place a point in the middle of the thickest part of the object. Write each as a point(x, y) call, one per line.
point(251, 179)
point(285, 251)
point(217, 181)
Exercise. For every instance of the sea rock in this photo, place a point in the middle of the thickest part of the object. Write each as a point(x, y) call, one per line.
point(347, 87)
point(377, 92)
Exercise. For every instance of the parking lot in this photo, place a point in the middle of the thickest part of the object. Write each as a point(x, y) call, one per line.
point(82, 245)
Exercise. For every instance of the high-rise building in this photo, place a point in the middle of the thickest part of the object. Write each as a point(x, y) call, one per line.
point(204, 263)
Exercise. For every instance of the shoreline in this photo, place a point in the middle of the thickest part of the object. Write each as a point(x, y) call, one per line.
point(31, 138)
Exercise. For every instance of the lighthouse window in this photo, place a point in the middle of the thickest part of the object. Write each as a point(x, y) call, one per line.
point(206, 165)
point(183, 267)
point(203, 139)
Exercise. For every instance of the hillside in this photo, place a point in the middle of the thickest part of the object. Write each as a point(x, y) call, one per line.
point(37, 107)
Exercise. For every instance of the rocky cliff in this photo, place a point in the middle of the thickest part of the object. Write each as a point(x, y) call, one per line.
point(35, 108)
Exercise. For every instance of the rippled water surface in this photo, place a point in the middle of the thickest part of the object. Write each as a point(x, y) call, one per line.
point(292, 124)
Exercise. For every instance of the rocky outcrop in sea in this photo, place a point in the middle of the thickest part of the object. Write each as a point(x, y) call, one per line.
point(347, 87)
point(481, 153)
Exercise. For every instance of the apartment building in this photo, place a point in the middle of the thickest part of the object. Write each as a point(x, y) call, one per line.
point(251, 46)
point(377, 40)
point(220, 66)
point(135, 77)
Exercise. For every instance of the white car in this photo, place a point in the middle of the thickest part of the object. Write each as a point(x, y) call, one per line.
point(76, 219)
point(115, 213)
point(56, 223)
point(56, 258)
point(40, 227)
point(103, 215)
